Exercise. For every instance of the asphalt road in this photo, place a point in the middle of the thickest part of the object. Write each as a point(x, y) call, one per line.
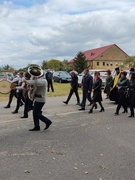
point(77, 146)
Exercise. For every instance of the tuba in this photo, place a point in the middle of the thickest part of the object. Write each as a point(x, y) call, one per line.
point(35, 71)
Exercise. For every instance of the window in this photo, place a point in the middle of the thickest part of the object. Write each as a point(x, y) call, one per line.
point(103, 63)
point(97, 63)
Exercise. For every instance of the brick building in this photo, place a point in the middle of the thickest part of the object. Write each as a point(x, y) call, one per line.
point(107, 57)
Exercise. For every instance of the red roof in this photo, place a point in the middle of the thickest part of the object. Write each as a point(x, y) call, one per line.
point(94, 53)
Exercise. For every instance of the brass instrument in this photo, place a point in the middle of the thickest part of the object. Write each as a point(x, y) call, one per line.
point(13, 85)
point(36, 72)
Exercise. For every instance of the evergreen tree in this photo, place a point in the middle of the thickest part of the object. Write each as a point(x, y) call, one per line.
point(80, 62)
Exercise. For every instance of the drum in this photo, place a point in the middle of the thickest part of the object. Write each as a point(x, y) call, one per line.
point(4, 87)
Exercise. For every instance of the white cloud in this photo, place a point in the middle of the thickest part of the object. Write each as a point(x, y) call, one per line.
point(59, 29)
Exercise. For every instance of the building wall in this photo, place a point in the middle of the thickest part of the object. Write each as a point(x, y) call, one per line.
point(110, 59)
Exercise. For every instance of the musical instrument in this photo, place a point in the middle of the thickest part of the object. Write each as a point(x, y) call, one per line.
point(36, 72)
point(4, 87)
point(13, 85)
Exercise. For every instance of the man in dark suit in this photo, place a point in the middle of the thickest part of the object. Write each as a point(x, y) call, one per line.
point(87, 83)
point(49, 77)
point(74, 88)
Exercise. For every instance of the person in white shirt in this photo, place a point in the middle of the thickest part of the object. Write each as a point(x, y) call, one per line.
point(13, 93)
point(19, 89)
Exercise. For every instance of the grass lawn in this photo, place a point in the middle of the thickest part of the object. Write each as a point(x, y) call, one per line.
point(60, 89)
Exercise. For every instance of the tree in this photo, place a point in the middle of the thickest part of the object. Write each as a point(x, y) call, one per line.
point(65, 65)
point(44, 65)
point(54, 64)
point(130, 61)
point(80, 62)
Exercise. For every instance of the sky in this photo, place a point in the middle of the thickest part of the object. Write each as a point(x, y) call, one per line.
point(32, 31)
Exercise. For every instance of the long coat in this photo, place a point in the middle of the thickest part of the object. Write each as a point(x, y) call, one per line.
point(97, 94)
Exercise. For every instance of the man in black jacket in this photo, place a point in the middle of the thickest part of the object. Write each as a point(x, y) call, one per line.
point(74, 88)
point(87, 83)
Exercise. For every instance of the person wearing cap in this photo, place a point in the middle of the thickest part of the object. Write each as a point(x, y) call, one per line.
point(108, 83)
point(28, 102)
point(74, 88)
point(114, 91)
point(19, 90)
point(122, 85)
point(49, 77)
point(39, 101)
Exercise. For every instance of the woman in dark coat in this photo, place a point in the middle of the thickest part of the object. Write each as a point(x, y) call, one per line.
point(132, 94)
point(122, 85)
point(97, 93)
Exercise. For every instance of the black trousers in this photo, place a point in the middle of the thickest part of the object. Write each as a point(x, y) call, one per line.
point(122, 101)
point(50, 84)
point(37, 114)
point(27, 106)
point(11, 95)
point(71, 93)
point(19, 99)
point(132, 103)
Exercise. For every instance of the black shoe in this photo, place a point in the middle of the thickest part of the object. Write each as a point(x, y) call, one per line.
point(78, 104)
point(48, 125)
point(14, 112)
point(7, 107)
point(116, 113)
point(132, 115)
point(35, 129)
point(90, 104)
point(95, 106)
point(24, 117)
point(125, 111)
point(102, 109)
point(90, 111)
point(82, 109)
point(65, 102)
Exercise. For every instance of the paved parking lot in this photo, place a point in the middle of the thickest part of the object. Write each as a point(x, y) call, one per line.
point(77, 146)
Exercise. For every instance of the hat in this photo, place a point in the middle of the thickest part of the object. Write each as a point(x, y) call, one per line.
point(132, 69)
point(124, 73)
point(109, 71)
point(117, 69)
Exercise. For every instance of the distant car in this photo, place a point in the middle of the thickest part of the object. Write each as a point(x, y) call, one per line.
point(61, 76)
point(7, 76)
point(103, 74)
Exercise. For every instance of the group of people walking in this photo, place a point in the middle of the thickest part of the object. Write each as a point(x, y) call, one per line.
point(91, 90)
point(21, 87)
point(119, 89)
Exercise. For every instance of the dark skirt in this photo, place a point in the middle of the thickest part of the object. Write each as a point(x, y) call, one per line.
point(97, 96)
point(114, 94)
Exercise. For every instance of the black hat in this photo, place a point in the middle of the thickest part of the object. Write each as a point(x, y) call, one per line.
point(132, 69)
point(117, 69)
